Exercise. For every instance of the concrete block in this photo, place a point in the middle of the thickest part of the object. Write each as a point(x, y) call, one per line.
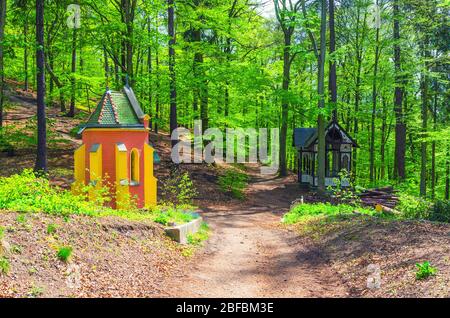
point(179, 233)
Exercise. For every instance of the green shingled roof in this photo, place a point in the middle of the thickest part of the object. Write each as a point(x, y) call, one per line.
point(116, 109)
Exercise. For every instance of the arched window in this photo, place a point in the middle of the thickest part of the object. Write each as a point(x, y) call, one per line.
point(134, 165)
point(345, 163)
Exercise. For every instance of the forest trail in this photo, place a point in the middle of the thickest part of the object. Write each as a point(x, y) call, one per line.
point(251, 255)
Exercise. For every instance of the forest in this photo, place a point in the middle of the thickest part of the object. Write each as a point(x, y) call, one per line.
point(382, 66)
point(379, 68)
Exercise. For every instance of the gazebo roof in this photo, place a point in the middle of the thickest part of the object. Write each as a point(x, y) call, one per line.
point(301, 136)
point(116, 110)
point(305, 137)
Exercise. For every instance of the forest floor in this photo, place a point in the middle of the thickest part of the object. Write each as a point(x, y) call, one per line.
point(249, 254)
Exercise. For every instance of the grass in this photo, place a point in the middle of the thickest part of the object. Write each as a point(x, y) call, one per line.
point(4, 265)
point(425, 270)
point(199, 237)
point(303, 212)
point(26, 192)
point(51, 228)
point(233, 182)
point(36, 291)
point(64, 253)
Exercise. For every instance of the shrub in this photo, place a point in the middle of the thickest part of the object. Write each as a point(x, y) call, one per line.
point(51, 228)
point(64, 253)
point(342, 194)
point(36, 291)
point(308, 210)
point(425, 270)
point(233, 182)
point(199, 237)
point(440, 211)
point(4, 265)
point(168, 215)
point(414, 207)
point(179, 188)
point(27, 192)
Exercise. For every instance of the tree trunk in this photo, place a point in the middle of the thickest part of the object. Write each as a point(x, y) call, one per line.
point(41, 158)
point(157, 114)
point(400, 127)
point(423, 143)
point(201, 84)
point(2, 76)
point(25, 53)
point(433, 145)
point(374, 107)
point(332, 77)
point(382, 142)
point(320, 89)
point(172, 77)
point(285, 101)
point(150, 74)
point(71, 112)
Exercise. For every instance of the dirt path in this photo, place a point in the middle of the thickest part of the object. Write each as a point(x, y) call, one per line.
point(251, 255)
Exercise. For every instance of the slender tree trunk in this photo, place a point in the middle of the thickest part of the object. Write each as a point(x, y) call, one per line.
point(285, 101)
point(71, 112)
point(433, 145)
point(150, 74)
point(382, 142)
point(320, 89)
point(400, 127)
point(201, 85)
point(157, 107)
point(423, 143)
point(374, 107)
point(172, 77)
point(106, 66)
point(332, 78)
point(2, 75)
point(41, 158)
point(25, 53)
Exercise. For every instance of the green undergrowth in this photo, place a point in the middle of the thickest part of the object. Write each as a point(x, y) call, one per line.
point(196, 240)
point(307, 211)
point(199, 237)
point(234, 182)
point(27, 192)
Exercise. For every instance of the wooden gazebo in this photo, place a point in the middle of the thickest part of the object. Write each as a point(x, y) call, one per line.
point(339, 146)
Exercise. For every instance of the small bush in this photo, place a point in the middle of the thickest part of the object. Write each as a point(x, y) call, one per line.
point(64, 253)
point(308, 210)
point(414, 207)
point(51, 228)
point(26, 192)
point(233, 182)
point(199, 237)
point(179, 188)
point(440, 211)
point(36, 291)
point(16, 249)
point(4, 265)
point(168, 215)
point(425, 270)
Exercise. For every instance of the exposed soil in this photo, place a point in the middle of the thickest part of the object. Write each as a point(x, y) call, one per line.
point(111, 257)
point(353, 244)
point(251, 255)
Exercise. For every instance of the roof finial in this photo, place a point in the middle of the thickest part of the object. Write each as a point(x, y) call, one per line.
point(127, 84)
